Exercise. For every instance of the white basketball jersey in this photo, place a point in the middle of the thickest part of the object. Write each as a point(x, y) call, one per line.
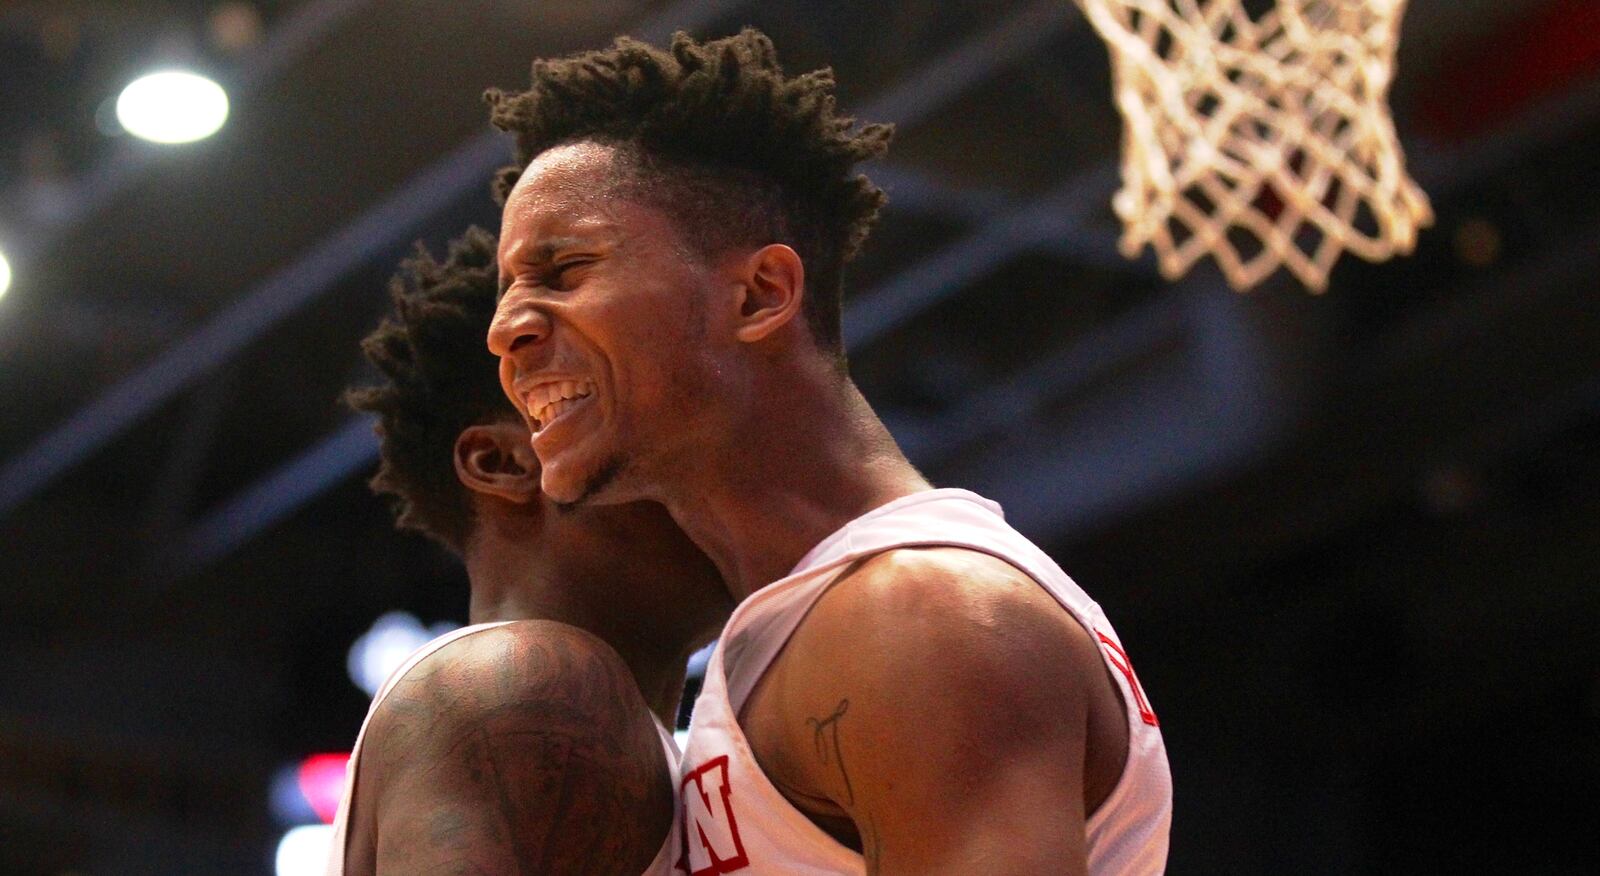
point(735, 821)
point(665, 857)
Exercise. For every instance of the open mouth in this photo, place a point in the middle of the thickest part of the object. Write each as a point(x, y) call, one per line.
point(547, 401)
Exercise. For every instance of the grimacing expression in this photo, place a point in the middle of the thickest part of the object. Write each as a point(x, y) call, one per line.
point(606, 343)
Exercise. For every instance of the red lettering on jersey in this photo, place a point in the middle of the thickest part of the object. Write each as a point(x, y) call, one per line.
point(1119, 659)
point(711, 842)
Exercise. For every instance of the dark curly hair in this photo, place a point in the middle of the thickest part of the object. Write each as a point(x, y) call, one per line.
point(715, 135)
point(439, 378)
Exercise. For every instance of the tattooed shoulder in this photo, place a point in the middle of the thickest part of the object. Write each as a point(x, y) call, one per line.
point(526, 747)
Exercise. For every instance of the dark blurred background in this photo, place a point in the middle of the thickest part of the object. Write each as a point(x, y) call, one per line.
point(1349, 539)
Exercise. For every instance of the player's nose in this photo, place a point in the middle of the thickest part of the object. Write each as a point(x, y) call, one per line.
point(516, 325)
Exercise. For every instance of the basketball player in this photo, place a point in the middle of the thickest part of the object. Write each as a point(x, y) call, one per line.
point(909, 686)
point(532, 741)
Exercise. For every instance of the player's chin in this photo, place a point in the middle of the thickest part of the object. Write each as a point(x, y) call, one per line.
point(560, 479)
point(573, 480)
point(562, 462)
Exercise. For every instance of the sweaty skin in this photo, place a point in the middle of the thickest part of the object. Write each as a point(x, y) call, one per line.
point(936, 710)
point(975, 708)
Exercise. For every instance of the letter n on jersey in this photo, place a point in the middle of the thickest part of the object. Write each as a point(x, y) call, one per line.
point(711, 841)
point(1119, 659)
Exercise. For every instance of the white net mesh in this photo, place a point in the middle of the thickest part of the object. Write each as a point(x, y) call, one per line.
point(1264, 140)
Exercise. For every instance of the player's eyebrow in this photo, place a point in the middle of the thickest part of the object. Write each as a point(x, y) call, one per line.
point(540, 253)
point(548, 247)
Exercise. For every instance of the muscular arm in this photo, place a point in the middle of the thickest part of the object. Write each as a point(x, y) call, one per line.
point(524, 749)
point(939, 699)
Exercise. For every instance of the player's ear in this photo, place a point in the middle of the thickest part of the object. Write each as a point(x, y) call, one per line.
point(498, 459)
point(772, 291)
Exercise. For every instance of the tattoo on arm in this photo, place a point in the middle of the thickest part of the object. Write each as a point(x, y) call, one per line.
point(537, 761)
point(825, 736)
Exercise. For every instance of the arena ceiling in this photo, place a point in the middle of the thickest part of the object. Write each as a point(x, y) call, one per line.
point(186, 537)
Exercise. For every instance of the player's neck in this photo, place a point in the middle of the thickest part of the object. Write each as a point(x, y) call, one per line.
point(809, 459)
point(505, 586)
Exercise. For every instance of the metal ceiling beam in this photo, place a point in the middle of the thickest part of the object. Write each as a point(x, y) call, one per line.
point(931, 441)
point(224, 528)
point(1207, 408)
point(1056, 217)
point(935, 84)
point(171, 503)
point(382, 228)
point(1069, 238)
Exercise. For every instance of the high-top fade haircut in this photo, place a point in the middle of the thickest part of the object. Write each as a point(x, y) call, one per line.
point(714, 135)
point(438, 379)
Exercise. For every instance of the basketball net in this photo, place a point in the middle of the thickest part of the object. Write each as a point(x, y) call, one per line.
point(1264, 141)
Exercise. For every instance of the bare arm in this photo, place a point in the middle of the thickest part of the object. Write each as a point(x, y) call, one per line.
point(940, 700)
point(525, 749)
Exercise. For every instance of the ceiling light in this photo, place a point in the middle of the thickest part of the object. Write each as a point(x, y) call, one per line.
point(172, 106)
point(5, 274)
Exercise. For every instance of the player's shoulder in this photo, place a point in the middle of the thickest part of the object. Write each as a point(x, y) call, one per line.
point(932, 584)
point(531, 737)
point(535, 649)
point(538, 671)
point(959, 612)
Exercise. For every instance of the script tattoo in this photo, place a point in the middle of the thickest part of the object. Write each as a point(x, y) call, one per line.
point(825, 736)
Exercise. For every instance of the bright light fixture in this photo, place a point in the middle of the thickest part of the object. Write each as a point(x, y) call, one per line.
point(172, 106)
point(5, 274)
point(304, 850)
point(381, 650)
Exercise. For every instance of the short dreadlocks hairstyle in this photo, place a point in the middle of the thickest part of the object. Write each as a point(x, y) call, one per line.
point(438, 379)
point(716, 136)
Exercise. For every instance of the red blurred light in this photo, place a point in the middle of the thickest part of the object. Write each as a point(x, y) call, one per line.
point(322, 782)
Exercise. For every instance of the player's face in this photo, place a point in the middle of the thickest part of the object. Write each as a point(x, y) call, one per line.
point(602, 330)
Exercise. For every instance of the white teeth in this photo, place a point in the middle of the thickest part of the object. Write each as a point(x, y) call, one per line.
point(547, 400)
